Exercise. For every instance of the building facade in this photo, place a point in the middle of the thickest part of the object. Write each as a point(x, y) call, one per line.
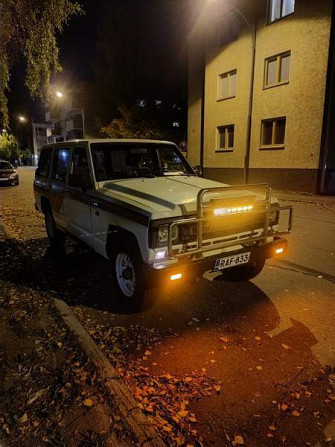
point(62, 123)
point(261, 94)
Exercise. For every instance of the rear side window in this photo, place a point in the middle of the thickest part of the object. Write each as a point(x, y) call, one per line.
point(60, 164)
point(44, 163)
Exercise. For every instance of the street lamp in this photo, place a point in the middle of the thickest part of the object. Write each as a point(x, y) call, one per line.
point(59, 94)
point(22, 119)
point(252, 30)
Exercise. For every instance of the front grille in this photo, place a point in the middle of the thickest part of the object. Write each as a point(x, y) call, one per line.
point(216, 226)
point(4, 175)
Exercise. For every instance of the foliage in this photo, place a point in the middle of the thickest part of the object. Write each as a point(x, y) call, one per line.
point(28, 29)
point(132, 123)
point(9, 147)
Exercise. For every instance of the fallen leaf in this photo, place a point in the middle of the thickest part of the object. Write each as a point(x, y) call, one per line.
point(284, 407)
point(213, 361)
point(88, 402)
point(295, 413)
point(285, 346)
point(258, 338)
point(272, 427)
point(147, 353)
point(223, 339)
point(238, 440)
point(260, 368)
point(23, 418)
point(269, 435)
point(183, 413)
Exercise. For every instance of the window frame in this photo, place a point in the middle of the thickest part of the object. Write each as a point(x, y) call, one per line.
point(272, 146)
point(269, 21)
point(278, 58)
point(226, 128)
point(222, 76)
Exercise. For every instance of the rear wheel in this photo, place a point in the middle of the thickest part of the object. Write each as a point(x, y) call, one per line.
point(56, 237)
point(130, 277)
point(243, 272)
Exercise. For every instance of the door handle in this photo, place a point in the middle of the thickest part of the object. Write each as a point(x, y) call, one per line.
point(95, 204)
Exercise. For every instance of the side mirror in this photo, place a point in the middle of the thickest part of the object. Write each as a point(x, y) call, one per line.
point(198, 170)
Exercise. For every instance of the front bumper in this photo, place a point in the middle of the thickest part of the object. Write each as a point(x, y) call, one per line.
point(9, 181)
point(196, 268)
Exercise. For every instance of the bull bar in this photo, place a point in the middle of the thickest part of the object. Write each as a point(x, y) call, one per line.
point(200, 219)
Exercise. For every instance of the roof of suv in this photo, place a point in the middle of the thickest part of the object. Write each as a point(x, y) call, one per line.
point(111, 140)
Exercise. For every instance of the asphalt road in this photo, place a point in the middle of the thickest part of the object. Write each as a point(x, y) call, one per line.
point(269, 341)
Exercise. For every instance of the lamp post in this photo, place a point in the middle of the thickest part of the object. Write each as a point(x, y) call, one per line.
point(252, 30)
point(29, 137)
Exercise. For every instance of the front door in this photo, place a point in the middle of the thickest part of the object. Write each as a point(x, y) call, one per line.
point(77, 207)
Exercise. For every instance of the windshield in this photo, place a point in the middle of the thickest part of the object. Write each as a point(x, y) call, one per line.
point(130, 160)
point(5, 165)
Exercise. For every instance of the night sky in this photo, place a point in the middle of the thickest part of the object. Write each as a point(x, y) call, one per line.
point(160, 47)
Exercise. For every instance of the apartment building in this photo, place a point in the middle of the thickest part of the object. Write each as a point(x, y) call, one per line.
point(262, 93)
point(62, 123)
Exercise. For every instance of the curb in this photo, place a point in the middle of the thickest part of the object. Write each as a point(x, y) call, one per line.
point(137, 421)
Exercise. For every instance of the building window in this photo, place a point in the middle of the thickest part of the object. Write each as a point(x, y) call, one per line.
point(273, 133)
point(227, 85)
point(225, 138)
point(277, 69)
point(280, 8)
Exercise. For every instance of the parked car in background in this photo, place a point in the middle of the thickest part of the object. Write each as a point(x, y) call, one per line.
point(8, 174)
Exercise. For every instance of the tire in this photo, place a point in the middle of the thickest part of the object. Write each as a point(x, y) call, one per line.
point(55, 236)
point(131, 278)
point(243, 272)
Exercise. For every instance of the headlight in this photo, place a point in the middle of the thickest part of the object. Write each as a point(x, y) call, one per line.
point(163, 233)
point(13, 175)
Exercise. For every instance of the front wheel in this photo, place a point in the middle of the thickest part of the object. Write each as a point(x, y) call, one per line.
point(131, 278)
point(243, 272)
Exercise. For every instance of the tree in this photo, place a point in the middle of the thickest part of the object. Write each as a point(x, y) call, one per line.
point(132, 123)
point(28, 29)
point(9, 147)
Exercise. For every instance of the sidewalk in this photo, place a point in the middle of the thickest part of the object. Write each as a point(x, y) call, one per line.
point(304, 197)
point(49, 390)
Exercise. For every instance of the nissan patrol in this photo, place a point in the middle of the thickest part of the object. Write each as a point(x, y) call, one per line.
point(139, 204)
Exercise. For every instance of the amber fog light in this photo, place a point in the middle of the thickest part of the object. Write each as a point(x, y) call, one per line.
point(176, 276)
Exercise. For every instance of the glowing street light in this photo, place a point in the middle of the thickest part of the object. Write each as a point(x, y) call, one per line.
point(59, 94)
point(22, 119)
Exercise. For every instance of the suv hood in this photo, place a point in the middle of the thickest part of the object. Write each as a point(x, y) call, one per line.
point(163, 197)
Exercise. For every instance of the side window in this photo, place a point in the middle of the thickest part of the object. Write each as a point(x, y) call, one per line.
point(60, 164)
point(44, 163)
point(80, 173)
point(79, 161)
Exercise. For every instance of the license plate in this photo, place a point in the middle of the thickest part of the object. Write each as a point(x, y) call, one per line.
point(231, 261)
